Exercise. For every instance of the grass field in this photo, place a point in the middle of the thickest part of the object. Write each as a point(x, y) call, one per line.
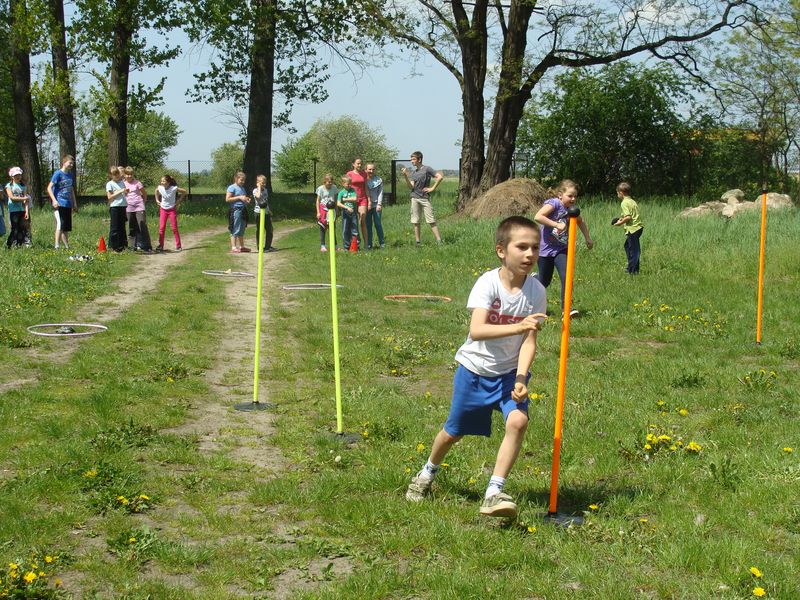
point(681, 438)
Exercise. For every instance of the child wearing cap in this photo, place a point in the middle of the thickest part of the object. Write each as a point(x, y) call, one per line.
point(18, 207)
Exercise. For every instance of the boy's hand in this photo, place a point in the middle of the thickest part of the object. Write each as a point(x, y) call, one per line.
point(520, 392)
point(590, 243)
point(532, 322)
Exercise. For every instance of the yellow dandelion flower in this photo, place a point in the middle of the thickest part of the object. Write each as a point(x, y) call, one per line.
point(673, 447)
point(131, 540)
point(170, 380)
point(427, 394)
point(593, 506)
point(420, 447)
point(531, 529)
point(123, 500)
point(759, 591)
point(660, 403)
point(651, 438)
point(756, 572)
point(90, 473)
point(30, 577)
point(644, 520)
point(683, 412)
point(445, 465)
point(664, 438)
point(788, 449)
point(143, 497)
point(58, 582)
point(48, 559)
point(648, 447)
point(693, 447)
point(13, 566)
point(408, 470)
point(472, 481)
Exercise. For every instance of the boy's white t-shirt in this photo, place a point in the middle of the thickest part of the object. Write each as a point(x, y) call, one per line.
point(499, 356)
point(115, 186)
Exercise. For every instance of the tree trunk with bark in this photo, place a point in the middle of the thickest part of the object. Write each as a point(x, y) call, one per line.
point(118, 90)
point(64, 106)
point(258, 144)
point(24, 122)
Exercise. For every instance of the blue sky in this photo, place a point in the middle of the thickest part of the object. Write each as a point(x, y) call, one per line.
point(414, 113)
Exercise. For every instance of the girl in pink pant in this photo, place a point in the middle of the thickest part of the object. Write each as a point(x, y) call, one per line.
point(168, 198)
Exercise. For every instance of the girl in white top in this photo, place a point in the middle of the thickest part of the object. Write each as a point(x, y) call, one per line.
point(325, 193)
point(168, 197)
point(117, 207)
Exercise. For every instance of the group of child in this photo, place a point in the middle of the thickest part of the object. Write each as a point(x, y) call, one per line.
point(237, 198)
point(508, 307)
point(360, 202)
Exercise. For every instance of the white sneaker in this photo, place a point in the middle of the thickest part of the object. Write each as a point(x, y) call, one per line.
point(418, 489)
point(499, 505)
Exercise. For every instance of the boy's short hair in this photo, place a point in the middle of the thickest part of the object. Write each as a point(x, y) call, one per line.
point(417, 154)
point(347, 179)
point(503, 233)
point(67, 157)
point(624, 188)
point(128, 171)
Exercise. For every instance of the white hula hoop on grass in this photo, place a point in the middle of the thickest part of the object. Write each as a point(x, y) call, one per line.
point(423, 297)
point(91, 329)
point(228, 273)
point(310, 286)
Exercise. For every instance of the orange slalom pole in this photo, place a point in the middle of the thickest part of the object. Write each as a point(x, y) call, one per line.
point(761, 259)
point(574, 212)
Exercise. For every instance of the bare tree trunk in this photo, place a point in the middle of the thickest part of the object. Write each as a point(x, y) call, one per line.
point(24, 122)
point(118, 88)
point(511, 98)
point(258, 144)
point(61, 79)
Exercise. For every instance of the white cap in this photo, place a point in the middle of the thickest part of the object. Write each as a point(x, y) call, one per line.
point(14, 171)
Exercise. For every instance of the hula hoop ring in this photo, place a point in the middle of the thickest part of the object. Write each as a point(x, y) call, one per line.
point(310, 286)
point(228, 273)
point(92, 328)
point(426, 297)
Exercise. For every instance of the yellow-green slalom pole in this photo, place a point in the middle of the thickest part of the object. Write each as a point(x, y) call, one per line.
point(335, 320)
point(761, 260)
point(562, 366)
point(259, 289)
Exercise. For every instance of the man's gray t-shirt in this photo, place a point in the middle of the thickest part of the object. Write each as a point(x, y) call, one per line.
point(421, 178)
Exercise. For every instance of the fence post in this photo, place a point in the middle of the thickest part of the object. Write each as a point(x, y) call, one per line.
point(394, 181)
point(189, 178)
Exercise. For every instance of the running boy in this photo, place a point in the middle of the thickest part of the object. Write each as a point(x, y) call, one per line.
point(632, 222)
point(508, 306)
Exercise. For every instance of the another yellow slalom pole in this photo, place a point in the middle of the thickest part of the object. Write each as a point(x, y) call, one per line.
point(259, 289)
point(573, 213)
point(761, 259)
point(255, 404)
point(335, 320)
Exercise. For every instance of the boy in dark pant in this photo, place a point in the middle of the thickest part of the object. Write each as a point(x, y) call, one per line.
point(632, 222)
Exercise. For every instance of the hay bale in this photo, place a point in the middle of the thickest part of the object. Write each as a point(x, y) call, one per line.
point(513, 197)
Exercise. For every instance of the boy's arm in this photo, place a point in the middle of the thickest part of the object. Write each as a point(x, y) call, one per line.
point(623, 220)
point(481, 329)
point(526, 355)
point(74, 199)
point(404, 171)
point(53, 200)
point(437, 180)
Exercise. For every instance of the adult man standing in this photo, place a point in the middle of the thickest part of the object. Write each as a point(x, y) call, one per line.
point(419, 182)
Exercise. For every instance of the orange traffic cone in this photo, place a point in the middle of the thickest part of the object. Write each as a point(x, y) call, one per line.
point(101, 245)
point(354, 244)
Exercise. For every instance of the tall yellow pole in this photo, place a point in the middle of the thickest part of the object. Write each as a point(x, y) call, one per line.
point(761, 258)
point(259, 288)
point(335, 319)
point(574, 212)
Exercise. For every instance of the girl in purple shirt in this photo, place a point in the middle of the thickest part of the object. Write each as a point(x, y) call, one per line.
point(552, 220)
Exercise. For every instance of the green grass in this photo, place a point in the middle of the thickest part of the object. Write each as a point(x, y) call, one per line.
point(669, 353)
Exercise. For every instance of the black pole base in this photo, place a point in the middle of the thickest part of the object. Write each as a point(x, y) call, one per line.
point(253, 406)
point(562, 520)
point(346, 438)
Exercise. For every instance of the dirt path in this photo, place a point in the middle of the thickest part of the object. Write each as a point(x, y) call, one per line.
point(104, 309)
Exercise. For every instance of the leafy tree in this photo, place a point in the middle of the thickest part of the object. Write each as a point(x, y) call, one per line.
point(150, 136)
point(600, 127)
point(227, 159)
point(334, 143)
point(533, 39)
point(118, 37)
point(267, 52)
point(60, 81)
point(8, 147)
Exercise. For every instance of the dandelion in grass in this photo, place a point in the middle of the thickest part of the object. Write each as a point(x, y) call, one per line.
point(472, 481)
point(683, 412)
point(756, 572)
point(693, 447)
point(408, 470)
point(788, 449)
point(30, 577)
point(594, 507)
point(132, 540)
point(48, 559)
point(420, 447)
point(531, 529)
point(143, 497)
point(759, 591)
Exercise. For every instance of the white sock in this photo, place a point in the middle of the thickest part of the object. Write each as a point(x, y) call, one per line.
point(495, 486)
point(429, 471)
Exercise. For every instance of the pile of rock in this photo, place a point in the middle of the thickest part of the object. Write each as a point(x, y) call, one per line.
point(733, 202)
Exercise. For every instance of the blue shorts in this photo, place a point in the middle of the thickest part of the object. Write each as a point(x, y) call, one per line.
point(475, 397)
